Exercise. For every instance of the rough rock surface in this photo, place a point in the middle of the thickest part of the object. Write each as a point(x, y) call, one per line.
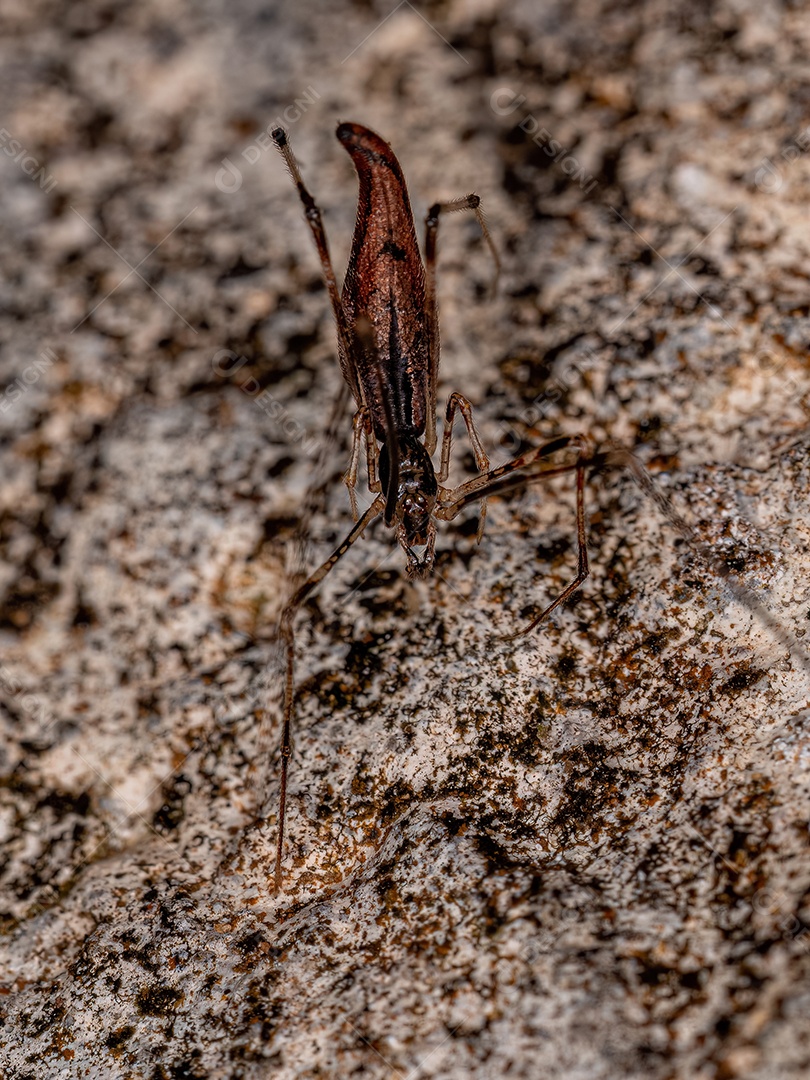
point(583, 853)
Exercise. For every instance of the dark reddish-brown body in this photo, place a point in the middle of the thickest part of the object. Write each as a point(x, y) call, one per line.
point(385, 284)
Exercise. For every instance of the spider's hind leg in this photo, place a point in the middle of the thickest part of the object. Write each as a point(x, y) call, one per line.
point(520, 471)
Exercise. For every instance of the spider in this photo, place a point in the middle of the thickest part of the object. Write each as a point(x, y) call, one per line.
point(388, 347)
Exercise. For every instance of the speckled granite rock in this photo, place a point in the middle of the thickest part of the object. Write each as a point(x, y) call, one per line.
point(584, 854)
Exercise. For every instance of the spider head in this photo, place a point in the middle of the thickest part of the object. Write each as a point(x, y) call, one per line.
point(411, 499)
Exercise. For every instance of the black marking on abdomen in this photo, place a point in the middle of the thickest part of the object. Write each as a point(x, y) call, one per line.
point(393, 249)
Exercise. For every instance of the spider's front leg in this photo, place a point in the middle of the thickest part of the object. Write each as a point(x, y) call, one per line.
point(361, 429)
point(458, 401)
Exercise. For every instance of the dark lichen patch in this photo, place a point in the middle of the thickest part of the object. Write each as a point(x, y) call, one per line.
point(384, 594)
point(59, 825)
point(66, 803)
point(48, 1016)
point(398, 798)
point(334, 692)
point(187, 1068)
point(23, 603)
point(566, 665)
point(498, 859)
point(387, 890)
point(656, 642)
point(84, 615)
point(251, 943)
point(489, 747)
point(116, 1040)
point(528, 747)
point(171, 813)
point(364, 656)
point(742, 679)
point(553, 548)
point(670, 988)
point(158, 1000)
point(592, 788)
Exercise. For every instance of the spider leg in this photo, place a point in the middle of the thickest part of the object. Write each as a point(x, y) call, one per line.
point(509, 476)
point(467, 202)
point(520, 471)
point(372, 458)
point(312, 213)
point(287, 632)
point(458, 401)
point(361, 430)
point(350, 476)
point(582, 561)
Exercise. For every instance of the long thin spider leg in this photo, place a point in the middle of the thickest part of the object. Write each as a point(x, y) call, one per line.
point(287, 632)
point(625, 459)
point(502, 486)
point(467, 202)
point(521, 471)
point(508, 476)
point(582, 559)
point(346, 355)
point(313, 502)
point(458, 401)
point(362, 433)
point(350, 476)
point(372, 457)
